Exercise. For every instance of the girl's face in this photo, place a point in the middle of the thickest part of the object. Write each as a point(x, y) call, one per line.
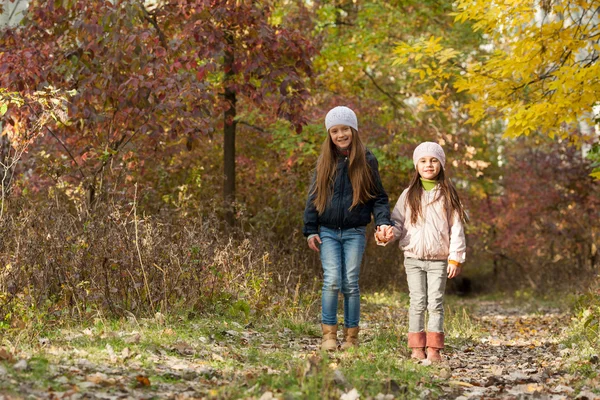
point(429, 167)
point(341, 136)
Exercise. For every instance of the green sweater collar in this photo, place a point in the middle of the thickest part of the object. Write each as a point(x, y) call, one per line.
point(428, 184)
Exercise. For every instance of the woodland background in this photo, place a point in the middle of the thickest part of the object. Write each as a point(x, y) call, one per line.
point(155, 156)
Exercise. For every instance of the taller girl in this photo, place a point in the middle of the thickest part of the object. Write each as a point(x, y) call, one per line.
point(428, 219)
point(345, 191)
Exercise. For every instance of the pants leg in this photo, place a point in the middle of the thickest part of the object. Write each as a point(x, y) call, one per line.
point(353, 247)
point(331, 260)
point(437, 274)
point(417, 286)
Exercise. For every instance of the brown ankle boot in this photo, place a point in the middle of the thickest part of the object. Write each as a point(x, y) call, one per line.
point(435, 342)
point(329, 341)
point(350, 338)
point(418, 353)
point(416, 341)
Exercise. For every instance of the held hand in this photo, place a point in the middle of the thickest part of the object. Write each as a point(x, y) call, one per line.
point(389, 232)
point(312, 243)
point(380, 234)
point(384, 233)
point(454, 270)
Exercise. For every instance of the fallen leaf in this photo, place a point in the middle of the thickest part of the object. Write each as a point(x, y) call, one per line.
point(267, 396)
point(142, 381)
point(5, 355)
point(351, 395)
point(460, 383)
point(563, 389)
point(183, 348)
point(168, 332)
point(21, 365)
point(159, 318)
point(587, 395)
point(525, 389)
point(111, 353)
point(125, 353)
point(517, 376)
point(98, 378)
point(133, 339)
point(445, 373)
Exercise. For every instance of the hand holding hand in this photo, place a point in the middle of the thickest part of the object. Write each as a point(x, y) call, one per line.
point(379, 235)
point(388, 232)
point(384, 233)
point(312, 243)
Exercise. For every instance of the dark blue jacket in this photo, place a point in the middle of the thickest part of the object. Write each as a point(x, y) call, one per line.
point(337, 214)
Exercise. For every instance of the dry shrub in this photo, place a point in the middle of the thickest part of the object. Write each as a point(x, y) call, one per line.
point(61, 262)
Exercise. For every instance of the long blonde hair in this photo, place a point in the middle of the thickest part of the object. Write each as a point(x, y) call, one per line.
point(359, 171)
point(447, 194)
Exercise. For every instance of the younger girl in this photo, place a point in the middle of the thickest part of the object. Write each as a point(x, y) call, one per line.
point(346, 189)
point(428, 221)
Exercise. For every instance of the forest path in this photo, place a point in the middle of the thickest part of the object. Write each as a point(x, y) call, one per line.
point(517, 356)
point(495, 350)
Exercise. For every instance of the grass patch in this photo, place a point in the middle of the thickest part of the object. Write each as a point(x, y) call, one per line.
point(387, 372)
point(581, 340)
point(227, 356)
point(459, 325)
point(532, 302)
point(301, 328)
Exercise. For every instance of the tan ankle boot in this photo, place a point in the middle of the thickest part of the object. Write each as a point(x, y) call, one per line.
point(435, 342)
point(417, 342)
point(350, 338)
point(329, 341)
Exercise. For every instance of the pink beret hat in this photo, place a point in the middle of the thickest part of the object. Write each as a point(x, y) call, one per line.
point(429, 149)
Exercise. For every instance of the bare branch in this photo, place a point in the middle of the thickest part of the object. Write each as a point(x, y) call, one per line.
point(63, 145)
point(391, 97)
point(152, 19)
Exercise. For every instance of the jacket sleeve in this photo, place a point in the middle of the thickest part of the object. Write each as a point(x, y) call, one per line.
point(381, 204)
point(458, 244)
point(398, 218)
point(311, 216)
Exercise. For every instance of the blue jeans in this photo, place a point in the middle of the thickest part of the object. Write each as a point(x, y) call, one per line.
point(341, 256)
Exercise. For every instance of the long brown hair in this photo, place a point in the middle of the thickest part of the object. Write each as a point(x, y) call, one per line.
point(447, 194)
point(358, 170)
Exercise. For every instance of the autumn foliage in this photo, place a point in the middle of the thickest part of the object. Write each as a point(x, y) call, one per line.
point(121, 119)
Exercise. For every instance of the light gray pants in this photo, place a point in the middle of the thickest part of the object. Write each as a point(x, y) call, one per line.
point(426, 283)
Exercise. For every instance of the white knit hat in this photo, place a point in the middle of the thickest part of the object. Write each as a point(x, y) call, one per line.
point(341, 115)
point(430, 149)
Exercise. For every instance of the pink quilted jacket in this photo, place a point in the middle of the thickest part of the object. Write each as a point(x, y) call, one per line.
point(433, 237)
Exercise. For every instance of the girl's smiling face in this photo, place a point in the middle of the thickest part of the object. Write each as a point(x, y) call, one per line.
point(341, 136)
point(429, 167)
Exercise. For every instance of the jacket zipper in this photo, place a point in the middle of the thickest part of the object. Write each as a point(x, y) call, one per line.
point(423, 235)
point(341, 199)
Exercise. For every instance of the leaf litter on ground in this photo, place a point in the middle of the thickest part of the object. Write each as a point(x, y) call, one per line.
point(514, 355)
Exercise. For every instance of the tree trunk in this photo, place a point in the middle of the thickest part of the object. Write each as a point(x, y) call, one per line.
point(6, 170)
point(229, 131)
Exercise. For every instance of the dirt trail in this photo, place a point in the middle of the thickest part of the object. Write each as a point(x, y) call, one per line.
point(517, 357)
